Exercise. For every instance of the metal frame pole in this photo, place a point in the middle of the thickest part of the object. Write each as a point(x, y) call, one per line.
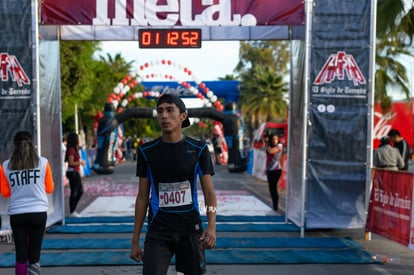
point(370, 113)
point(305, 119)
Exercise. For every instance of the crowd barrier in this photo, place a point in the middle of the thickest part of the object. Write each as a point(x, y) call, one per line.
point(390, 210)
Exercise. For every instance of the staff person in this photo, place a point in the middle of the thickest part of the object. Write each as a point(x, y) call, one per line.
point(169, 168)
point(26, 179)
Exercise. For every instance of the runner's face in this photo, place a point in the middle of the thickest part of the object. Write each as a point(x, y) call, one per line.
point(169, 117)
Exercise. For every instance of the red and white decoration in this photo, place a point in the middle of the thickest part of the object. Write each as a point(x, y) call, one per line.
point(119, 95)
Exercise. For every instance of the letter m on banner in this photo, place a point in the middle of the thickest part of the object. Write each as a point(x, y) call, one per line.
point(338, 66)
point(10, 66)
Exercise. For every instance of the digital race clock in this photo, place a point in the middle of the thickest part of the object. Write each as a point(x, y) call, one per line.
point(169, 38)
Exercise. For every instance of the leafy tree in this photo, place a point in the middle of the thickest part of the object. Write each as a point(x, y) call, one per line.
point(108, 73)
point(228, 77)
point(77, 78)
point(202, 128)
point(394, 38)
point(262, 68)
point(87, 83)
point(273, 54)
point(390, 73)
point(264, 96)
point(396, 16)
point(142, 127)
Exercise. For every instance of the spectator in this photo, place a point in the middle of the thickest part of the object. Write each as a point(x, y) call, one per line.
point(217, 144)
point(274, 152)
point(135, 144)
point(73, 173)
point(128, 145)
point(28, 200)
point(387, 157)
point(402, 145)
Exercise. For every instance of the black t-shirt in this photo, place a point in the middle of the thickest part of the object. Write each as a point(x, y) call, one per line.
point(404, 149)
point(173, 170)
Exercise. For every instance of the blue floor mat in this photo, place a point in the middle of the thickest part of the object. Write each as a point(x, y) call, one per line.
point(74, 251)
point(128, 228)
point(217, 256)
point(125, 224)
point(222, 242)
point(130, 219)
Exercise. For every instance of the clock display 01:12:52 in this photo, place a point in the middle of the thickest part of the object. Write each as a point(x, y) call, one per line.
point(169, 38)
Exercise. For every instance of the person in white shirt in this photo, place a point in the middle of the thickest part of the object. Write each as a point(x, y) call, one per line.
point(387, 157)
point(26, 179)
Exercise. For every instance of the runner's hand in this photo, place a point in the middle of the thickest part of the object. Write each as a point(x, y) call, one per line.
point(209, 238)
point(136, 253)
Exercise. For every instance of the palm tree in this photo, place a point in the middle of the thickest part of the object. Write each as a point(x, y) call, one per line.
point(117, 63)
point(390, 73)
point(394, 36)
point(263, 91)
point(228, 77)
point(263, 96)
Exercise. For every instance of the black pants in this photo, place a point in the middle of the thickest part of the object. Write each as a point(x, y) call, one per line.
point(160, 248)
point(273, 177)
point(28, 231)
point(76, 189)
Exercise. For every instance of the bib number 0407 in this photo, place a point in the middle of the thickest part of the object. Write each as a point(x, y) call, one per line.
point(174, 194)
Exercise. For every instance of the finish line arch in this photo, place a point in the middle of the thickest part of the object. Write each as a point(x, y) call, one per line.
point(331, 101)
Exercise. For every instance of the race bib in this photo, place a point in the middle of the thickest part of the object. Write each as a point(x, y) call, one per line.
point(174, 194)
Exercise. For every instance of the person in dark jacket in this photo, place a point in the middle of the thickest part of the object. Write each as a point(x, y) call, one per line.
point(402, 145)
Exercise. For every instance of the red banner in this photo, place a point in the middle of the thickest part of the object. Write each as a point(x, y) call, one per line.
point(390, 206)
point(172, 12)
point(399, 116)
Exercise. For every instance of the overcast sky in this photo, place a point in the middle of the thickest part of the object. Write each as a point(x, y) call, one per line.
point(215, 59)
